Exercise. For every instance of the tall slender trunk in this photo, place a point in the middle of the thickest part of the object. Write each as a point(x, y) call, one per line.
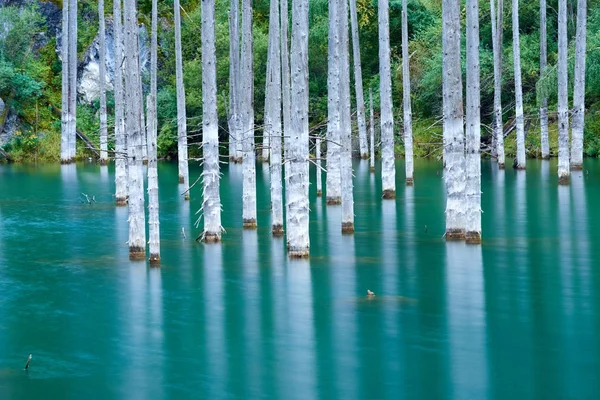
point(358, 84)
point(408, 139)
point(247, 112)
point(388, 169)
point(298, 242)
point(497, 16)
point(454, 164)
point(274, 111)
point(563, 96)
point(345, 127)
point(520, 125)
point(544, 100)
point(235, 153)
point(318, 157)
point(210, 127)
point(473, 158)
point(372, 131)
point(182, 150)
point(120, 139)
point(333, 179)
point(268, 100)
point(102, 62)
point(286, 96)
point(579, 90)
point(65, 156)
point(137, 230)
point(152, 118)
point(72, 79)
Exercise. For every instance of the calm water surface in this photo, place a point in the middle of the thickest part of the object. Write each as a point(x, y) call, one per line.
point(515, 318)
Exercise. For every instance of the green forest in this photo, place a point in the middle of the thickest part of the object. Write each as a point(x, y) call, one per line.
point(30, 72)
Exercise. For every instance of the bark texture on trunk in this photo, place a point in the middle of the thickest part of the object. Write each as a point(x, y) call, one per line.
point(247, 113)
point(473, 158)
point(102, 61)
point(182, 150)
point(333, 184)
point(345, 126)
point(286, 96)
point(579, 90)
point(72, 79)
point(372, 131)
point(563, 96)
point(211, 205)
point(298, 243)
point(497, 16)
point(137, 218)
point(408, 137)
point(65, 156)
point(454, 164)
point(519, 119)
point(388, 169)
point(235, 143)
point(152, 118)
point(544, 101)
point(358, 84)
point(120, 139)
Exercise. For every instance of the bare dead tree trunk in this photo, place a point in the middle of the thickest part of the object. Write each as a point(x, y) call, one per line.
point(182, 150)
point(333, 179)
point(121, 172)
point(408, 137)
point(579, 89)
point(372, 131)
point(388, 168)
point(72, 79)
point(497, 6)
point(544, 101)
point(102, 62)
point(65, 156)
point(235, 141)
point(563, 96)
point(519, 120)
point(358, 84)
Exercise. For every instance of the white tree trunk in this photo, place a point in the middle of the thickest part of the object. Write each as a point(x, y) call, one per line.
point(345, 126)
point(372, 131)
point(298, 242)
point(274, 111)
point(120, 139)
point(211, 205)
point(563, 96)
point(579, 90)
point(72, 79)
point(358, 84)
point(520, 125)
point(318, 157)
point(182, 150)
point(286, 95)
point(247, 112)
point(388, 169)
point(454, 164)
point(152, 118)
point(473, 158)
point(333, 178)
point(137, 230)
point(408, 137)
point(497, 16)
point(544, 101)
point(235, 154)
point(65, 156)
point(267, 123)
point(102, 61)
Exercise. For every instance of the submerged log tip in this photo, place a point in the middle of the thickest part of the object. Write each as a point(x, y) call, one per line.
point(473, 238)
point(455, 235)
point(347, 228)
point(250, 223)
point(389, 194)
point(334, 201)
point(137, 253)
point(277, 230)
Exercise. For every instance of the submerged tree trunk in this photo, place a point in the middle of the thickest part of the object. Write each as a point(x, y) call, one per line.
point(298, 243)
point(247, 112)
point(120, 140)
point(544, 101)
point(65, 156)
point(152, 118)
point(211, 205)
point(473, 158)
point(358, 84)
point(72, 79)
point(563, 96)
point(235, 153)
point(579, 90)
point(372, 131)
point(408, 139)
point(454, 164)
point(333, 179)
point(274, 111)
point(182, 150)
point(388, 169)
point(137, 218)
point(497, 16)
point(519, 122)
point(102, 62)
point(345, 126)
